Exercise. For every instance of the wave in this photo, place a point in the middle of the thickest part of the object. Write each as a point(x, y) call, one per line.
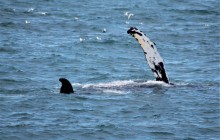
point(130, 86)
point(136, 86)
point(122, 83)
point(121, 86)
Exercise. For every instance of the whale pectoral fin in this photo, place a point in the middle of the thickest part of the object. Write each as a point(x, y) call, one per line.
point(153, 58)
point(161, 73)
point(157, 76)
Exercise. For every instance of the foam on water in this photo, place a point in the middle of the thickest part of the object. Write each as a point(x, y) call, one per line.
point(115, 91)
point(121, 86)
point(122, 83)
point(110, 84)
point(125, 86)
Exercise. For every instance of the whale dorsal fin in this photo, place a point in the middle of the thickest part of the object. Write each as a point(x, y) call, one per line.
point(66, 86)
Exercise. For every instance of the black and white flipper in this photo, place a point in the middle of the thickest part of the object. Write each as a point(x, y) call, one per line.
point(154, 60)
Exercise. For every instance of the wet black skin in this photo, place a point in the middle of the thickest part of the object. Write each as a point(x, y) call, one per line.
point(66, 86)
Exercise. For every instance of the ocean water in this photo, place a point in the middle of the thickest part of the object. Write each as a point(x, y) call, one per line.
point(116, 96)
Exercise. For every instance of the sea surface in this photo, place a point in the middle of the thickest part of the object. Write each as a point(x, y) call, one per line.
point(116, 95)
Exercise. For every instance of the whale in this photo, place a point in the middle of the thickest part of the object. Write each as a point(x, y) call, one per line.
point(66, 86)
point(154, 60)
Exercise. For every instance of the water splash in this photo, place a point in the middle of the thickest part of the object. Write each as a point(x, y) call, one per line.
point(123, 84)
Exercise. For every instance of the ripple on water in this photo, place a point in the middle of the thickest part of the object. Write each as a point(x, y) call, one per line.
point(41, 41)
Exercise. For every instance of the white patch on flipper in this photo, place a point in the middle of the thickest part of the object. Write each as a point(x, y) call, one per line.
point(154, 59)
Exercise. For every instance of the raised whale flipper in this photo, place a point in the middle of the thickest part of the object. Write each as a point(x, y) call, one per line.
point(154, 59)
point(66, 86)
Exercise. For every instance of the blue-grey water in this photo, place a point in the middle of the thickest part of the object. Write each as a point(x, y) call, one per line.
point(116, 95)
